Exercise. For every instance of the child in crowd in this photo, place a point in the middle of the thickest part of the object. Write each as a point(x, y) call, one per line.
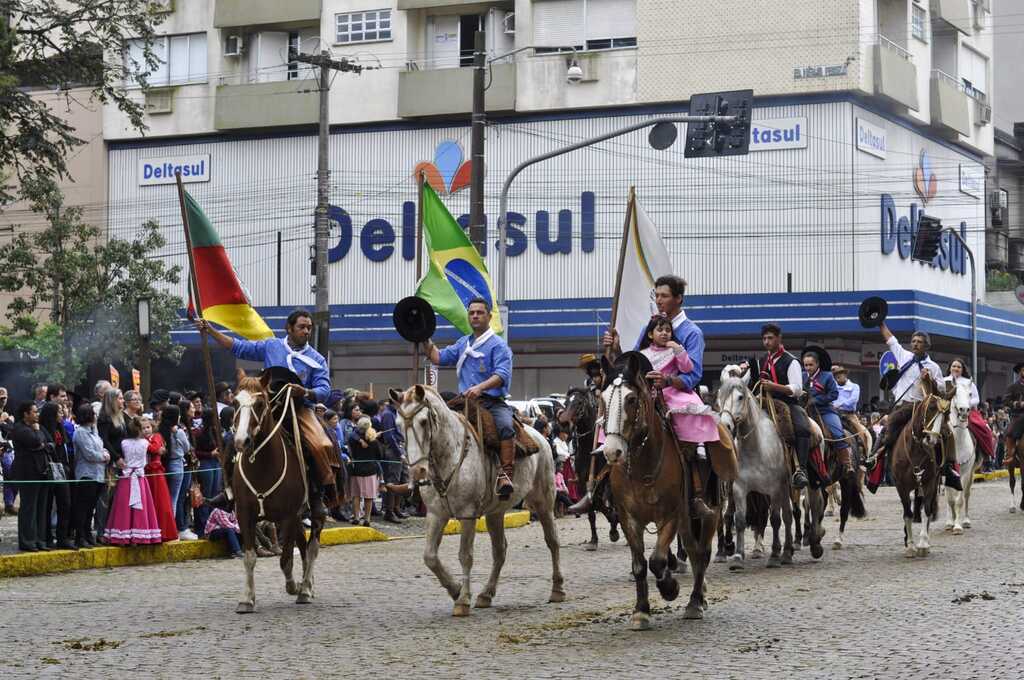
point(155, 475)
point(132, 519)
point(223, 524)
point(366, 454)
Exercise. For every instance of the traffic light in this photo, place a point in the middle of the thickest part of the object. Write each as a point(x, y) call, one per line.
point(926, 242)
point(704, 140)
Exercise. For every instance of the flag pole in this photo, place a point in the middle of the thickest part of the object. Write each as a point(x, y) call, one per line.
point(204, 341)
point(419, 266)
point(630, 212)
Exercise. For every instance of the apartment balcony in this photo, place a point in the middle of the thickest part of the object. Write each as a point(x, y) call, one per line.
point(265, 105)
point(895, 74)
point(951, 107)
point(254, 13)
point(997, 249)
point(429, 4)
point(957, 13)
point(446, 91)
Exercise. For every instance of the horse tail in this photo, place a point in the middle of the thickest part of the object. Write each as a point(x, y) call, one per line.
point(757, 510)
point(853, 495)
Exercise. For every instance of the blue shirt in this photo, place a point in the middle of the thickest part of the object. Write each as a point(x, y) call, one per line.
point(89, 463)
point(496, 360)
point(822, 390)
point(849, 397)
point(272, 352)
point(388, 430)
point(691, 338)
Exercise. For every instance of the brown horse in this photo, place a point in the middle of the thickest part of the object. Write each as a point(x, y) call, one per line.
point(649, 485)
point(915, 464)
point(1015, 464)
point(269, 480)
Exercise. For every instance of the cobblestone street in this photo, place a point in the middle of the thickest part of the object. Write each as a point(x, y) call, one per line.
point(863, 612)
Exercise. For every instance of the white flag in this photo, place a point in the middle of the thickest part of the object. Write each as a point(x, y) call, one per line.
point(646, 259)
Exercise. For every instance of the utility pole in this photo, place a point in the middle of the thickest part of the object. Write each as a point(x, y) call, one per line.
point(477, 225)
point(322, 314)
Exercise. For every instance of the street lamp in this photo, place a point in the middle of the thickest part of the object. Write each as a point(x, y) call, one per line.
point(145, 330)
point(574, 74)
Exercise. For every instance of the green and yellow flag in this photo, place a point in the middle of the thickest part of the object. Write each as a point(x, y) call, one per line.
point(456, 274)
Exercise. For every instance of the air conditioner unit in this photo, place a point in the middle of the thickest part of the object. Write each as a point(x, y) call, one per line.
point(233, 45)
point(159, 101)
point(982, 114)
point(509, 22)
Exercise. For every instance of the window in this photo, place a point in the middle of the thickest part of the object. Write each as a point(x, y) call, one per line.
point(369, 26)
point(584, 24)
point(973, 69)
point(182, 60)
point(294, 47)
point(919, 23)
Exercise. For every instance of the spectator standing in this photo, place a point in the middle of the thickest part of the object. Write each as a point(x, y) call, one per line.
point(39, 394)
point(208, 454)
point(133, 515)
point(7, 453)
point(58, 491)
point(110, 425)
point(174, 460)
point(133, 406)
point(364, 447)
point(90, 470)
point(155, 477)
point(99, 392)
point(393, 469)
point(183, 510)
point(223, 395)
point(29, 467)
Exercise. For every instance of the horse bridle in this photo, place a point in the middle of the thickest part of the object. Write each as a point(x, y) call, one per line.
point(586, 397)
point(641, 416)
point(440, 484)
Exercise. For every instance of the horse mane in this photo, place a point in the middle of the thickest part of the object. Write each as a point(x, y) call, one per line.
point(250, 384)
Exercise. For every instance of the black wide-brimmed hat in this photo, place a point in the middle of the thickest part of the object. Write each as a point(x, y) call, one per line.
point(873, 311)
point(414, 319)
point(279, 376)
point(824, 358)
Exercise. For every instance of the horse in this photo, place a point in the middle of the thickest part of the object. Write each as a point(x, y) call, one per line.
point(580, 414)
point(762, 466)
point(269, 480)
point(849, 487)
point(649, 485)
point(959, 501)
point(915, 469)
point(1015, 464)
point(455, 474)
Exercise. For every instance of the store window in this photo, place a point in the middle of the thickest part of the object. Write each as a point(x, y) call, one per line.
point(182, 60)
point(583, 24)
point(357, 27)
point(919, 23)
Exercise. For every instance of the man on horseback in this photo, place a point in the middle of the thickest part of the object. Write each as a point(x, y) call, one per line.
point(821, 389)
point(1014, 402)
point(483, 362)
point(908, 392)
point(781, 377)
point(592, 367)
point(294, 353)
point(847, 401)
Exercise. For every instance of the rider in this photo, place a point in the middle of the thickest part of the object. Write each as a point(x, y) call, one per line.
point(294, 353)
point(592, 367)
point(483, 362)
point(984, 440)
point(668, 296)
point(822, 389)
point(595, 483)
point(782, 378)
point(908, 392)
point(846, 404)
point(1014, 401)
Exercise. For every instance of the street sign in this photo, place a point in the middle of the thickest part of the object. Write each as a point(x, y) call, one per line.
point(711, 139)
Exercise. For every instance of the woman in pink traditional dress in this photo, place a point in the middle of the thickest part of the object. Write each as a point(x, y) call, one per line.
point(692, 419)
point(133, 519)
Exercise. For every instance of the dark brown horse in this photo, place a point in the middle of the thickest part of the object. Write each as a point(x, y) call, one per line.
point(269, 480)
point(915, 464)
point(649, 486)
point(580, 416)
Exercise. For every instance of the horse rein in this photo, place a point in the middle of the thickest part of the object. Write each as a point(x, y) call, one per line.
point(439, 484)
point(616, 391)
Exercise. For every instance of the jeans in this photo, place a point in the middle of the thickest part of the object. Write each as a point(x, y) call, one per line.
point(183, 508)
point(230, 536)
point(835, 426)
point(502, 413)
point(10, 489)
point(209, 475)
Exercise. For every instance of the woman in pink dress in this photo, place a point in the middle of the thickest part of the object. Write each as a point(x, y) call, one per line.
point(692, 419)
point(132, 519)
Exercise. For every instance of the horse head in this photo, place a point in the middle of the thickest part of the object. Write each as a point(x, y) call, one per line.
point(628, 406)
point(417, 420)
point(961, 405)
point(734, 401)
point(579, 407)
point(251, 397)
point(931, 412)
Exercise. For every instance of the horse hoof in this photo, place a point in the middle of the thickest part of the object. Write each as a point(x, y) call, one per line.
point(640, 621)
point(958, 531)
point(720, 559)
point(460, 610)
point(736, 563)
point(817, 551)
point(787, 558)
point(245, 608)
point(482, 601)
point(303, 598)
point(829, 513)
point(949, 526)
point(590, 547)
point(922, 552)
point(1013, 509)
point(613, 535)
point(557, 596)
point(807, 539)
point(774, 562)
point(669, 589)
point(910, 553)
point(291, 588)
point(837, 544)
point(967, 524)
point(693, 612)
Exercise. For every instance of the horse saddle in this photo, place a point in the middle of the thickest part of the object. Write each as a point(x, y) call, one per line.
point(488, 431)
point(780, 415)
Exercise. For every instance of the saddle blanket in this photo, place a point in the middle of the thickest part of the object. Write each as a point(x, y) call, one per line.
point(525, 445)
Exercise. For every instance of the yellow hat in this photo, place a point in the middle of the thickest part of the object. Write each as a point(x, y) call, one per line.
point(587, 359)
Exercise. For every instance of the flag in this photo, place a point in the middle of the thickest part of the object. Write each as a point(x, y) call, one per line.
point(136, 379)
point(115, 376)
point(456, 273)
point(221, 294)
point(646, 258)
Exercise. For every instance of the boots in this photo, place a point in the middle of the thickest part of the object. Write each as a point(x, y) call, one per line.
point(803, 445)
point(951, 477)
point(390, 514)
point(697, 501)
point(507, 454)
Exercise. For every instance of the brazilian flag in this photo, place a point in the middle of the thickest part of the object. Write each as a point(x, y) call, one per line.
point(456, 274)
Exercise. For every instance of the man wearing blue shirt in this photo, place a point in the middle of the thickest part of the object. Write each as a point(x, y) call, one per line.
point(846, 406)
point(483, 362)
point(294, 353)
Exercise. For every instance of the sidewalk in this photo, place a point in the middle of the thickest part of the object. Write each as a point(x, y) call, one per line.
point(13, 563)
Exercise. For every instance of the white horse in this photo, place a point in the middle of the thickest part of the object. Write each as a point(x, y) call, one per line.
point(456, 479)
point(762, 465)
point(959, 501)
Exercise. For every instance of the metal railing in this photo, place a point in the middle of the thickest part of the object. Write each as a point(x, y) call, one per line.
point(940, 75)
point(890, 45)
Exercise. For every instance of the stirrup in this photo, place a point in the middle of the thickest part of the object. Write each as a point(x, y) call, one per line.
point(503, 485)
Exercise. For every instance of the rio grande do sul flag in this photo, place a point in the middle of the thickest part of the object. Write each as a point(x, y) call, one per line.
point(456, 273)
point(223, 300)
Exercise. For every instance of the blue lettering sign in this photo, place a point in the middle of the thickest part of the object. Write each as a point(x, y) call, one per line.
point(898, 235)
point(376, 239)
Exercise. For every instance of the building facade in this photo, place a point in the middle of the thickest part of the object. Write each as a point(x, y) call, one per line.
point(868, 114)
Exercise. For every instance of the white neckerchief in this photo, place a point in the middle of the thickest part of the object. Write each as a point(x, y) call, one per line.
point(659, 356)
point(679, 318)
point(471, 349)
point(292, 355)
